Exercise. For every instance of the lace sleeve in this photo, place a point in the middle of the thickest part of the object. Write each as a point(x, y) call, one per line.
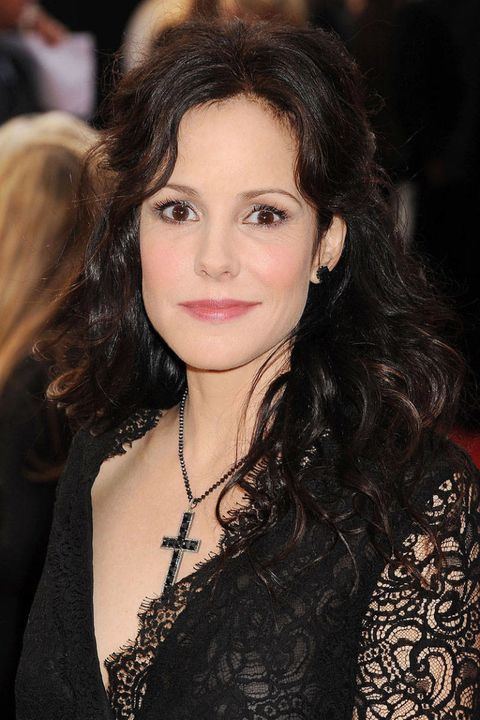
point(419, 655)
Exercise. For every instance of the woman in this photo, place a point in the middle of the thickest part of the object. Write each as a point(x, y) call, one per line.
point(41, 161)
point(264, 397)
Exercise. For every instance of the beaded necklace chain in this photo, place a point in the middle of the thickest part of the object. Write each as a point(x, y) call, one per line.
point(194, 501)
point(181, 543)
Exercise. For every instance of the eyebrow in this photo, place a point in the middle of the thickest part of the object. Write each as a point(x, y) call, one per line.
point(267, 191)
point(181, 188)
point(248, 195)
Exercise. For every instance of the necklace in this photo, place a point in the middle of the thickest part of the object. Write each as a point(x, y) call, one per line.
point(182, 543)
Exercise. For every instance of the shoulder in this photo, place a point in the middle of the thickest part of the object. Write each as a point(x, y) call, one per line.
point(455, 491)
point(419, 651)
point(438, 534)
point(90, 447)
point(451, 506)
point(447, 487)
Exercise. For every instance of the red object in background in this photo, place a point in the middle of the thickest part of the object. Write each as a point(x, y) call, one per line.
point(470, 442)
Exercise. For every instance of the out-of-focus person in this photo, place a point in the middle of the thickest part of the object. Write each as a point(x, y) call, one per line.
point(41, 159)
point(34, 18)
point(151, 17)
point(19, 91)
point(43, 66)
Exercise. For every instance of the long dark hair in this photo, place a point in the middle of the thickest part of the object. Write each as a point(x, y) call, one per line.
point(368, 365)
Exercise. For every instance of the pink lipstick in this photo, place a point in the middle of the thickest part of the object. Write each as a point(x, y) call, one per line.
point(217, 310)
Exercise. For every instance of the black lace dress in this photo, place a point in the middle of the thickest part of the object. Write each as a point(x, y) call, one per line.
point(332, 643)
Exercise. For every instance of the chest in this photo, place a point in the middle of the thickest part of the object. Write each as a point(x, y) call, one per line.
point(220, 653)
point(140, 535)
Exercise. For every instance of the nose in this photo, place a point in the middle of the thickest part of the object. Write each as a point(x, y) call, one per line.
point(216, 255)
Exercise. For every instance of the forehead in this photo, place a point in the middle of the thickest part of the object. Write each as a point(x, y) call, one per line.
point(238, 137)
point(240, 107)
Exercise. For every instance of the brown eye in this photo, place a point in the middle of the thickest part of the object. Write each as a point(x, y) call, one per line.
point(179, 212)
point(266, 217)
point(176, 211)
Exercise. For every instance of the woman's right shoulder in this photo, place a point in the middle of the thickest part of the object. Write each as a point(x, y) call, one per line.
point(90, 448)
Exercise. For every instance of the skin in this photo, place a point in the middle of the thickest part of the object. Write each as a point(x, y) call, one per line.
point(221, 246)
point(225, 248)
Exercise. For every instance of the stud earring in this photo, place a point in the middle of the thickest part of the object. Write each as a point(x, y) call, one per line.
point(322, 273)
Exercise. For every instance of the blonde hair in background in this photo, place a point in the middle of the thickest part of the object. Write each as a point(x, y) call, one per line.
point(151, 17)
point(41, 162)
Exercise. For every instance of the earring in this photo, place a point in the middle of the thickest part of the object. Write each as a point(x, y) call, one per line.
point(322, 273)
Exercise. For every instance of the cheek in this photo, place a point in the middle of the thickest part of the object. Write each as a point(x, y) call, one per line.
point(162, 266)
point(286, 270)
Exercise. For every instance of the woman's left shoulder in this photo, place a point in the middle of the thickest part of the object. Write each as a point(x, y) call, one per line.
point(449, 487)
point(419, 651)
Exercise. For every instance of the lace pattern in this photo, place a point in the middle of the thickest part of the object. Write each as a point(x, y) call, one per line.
point(420, 646)
point(135, 427)
point(127, 668)
point(418, 655)
point(336, 642)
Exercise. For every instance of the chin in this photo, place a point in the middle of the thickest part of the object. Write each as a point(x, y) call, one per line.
point(207, 363)
point(216, 356)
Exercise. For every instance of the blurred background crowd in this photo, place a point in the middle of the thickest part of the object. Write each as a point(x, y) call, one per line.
point(58, 62)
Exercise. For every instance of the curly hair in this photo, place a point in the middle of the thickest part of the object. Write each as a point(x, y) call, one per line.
point(369, 363)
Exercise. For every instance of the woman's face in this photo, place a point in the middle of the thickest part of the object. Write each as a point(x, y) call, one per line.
point(227, 246)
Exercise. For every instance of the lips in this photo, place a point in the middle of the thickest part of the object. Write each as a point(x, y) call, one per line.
point(217, 309)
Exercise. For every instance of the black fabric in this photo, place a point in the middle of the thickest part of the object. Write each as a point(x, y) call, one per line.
point(333, 642)
point(31, 442)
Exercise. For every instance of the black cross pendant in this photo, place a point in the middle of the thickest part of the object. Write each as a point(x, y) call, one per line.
point(179, 545)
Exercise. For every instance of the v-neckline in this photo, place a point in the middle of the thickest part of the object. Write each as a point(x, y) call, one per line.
point(201, 567)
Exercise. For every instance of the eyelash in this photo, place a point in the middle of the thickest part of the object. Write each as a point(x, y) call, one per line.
point(160, 207)
point(270, 208)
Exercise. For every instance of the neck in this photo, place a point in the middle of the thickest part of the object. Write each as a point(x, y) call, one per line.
point(220, 414)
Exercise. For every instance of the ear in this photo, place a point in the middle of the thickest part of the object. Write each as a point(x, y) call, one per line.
point(330, 248)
